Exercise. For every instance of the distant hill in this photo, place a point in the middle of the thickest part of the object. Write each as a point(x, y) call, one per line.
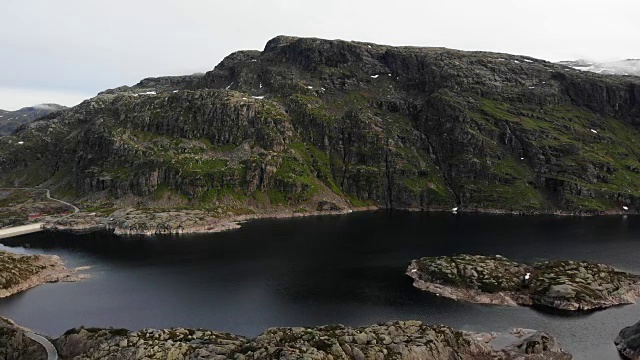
point(11, 120)
point(622, 67)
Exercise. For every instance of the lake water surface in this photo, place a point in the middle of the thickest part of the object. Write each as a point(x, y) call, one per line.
point(319, 270)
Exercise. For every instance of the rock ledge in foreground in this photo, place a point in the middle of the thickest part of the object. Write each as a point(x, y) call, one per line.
point(397, 340)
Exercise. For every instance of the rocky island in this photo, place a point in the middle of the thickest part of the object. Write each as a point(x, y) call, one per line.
point(391, 340)
point(628, 342)
point(22, 272)
point(565, 285)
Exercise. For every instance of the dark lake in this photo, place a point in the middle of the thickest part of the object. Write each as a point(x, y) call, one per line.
point(319, 270)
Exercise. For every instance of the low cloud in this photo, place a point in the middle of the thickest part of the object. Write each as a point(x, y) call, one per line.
point(17, 98)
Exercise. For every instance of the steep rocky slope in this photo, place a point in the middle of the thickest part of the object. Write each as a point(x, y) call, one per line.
point(11, 120)
point(312, 124)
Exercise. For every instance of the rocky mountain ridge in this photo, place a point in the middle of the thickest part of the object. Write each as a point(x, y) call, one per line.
point(308, 122)
point(11, 120)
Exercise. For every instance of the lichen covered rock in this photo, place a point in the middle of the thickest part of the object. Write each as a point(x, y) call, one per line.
point(565, 285)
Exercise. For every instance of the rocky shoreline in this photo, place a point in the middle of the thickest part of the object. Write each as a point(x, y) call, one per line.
point(628, 342)
point(139, 222)
point(392, 340)
point(564, 285)
point(22, 272)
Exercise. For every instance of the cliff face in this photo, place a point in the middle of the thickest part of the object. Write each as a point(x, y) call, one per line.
point(11, 120)
point(314, 122)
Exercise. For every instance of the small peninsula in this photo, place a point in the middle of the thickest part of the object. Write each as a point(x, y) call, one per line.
point(565, 285)
point(22, 272)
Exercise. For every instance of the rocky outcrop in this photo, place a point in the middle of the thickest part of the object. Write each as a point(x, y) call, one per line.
point(22, 272)
point(354, 124)
point(11, 120)
point(15, 345)
point(628, 342)
point(392, 340)
point(565, 285)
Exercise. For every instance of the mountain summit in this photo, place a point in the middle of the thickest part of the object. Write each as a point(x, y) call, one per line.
point(311, 124)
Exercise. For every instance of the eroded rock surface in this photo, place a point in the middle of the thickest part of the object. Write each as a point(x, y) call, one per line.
point(565, 285)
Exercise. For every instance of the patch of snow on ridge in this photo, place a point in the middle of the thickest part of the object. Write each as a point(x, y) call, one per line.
point(374, 76)
point(258, 97)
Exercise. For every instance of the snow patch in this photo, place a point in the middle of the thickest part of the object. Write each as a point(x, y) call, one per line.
point(516, 61)
point(20, 142)
point(258, 97)
point(309, 87)
point(625, 208)
point(594, 131)
point(527, 60)
point(175, 91)
point(374, 76)
point(229, 86)
point(148, 93)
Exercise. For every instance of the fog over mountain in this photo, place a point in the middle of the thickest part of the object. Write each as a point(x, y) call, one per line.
point(11, 120)
point(621, 67)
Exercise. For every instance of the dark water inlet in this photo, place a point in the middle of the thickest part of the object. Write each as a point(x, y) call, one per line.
point(321, 270)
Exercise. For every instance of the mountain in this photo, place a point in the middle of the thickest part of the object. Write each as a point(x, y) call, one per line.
point(622, 67)
point(312, 124)
point(11, 120)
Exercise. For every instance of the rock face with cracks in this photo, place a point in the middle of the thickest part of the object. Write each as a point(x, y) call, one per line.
point(565, 285)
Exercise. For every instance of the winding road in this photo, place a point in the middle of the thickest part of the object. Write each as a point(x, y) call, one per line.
point(35, 227)
point(52, 353)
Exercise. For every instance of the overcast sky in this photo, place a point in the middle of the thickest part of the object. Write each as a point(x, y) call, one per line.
point(66, 50)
